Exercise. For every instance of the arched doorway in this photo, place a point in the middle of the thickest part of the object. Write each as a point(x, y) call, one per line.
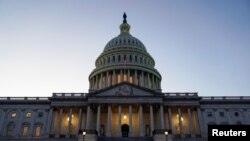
point(125, 130)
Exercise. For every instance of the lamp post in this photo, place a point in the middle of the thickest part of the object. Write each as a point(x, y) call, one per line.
point(166, 134)
point(83, 134)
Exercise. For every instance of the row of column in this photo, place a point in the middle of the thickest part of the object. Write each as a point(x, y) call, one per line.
point(141, 123)
point(141, 78)
point(180, 122)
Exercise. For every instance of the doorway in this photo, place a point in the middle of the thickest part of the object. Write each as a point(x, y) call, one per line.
point(125, 130)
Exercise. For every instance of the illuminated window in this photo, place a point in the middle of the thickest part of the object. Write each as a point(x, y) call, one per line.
point(13, 114)
point(38, 131)
point(25, 130)
point(28, 114)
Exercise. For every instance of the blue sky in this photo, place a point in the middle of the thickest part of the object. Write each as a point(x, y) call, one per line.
point(50, 46)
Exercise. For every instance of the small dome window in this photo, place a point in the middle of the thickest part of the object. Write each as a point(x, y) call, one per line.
point(119, 58)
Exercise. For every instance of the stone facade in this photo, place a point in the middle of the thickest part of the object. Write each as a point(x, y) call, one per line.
point(124, 102)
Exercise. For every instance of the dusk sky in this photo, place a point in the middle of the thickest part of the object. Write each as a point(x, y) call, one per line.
point(50, 46)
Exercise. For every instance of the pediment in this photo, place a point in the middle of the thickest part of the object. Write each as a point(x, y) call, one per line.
point(125, 89)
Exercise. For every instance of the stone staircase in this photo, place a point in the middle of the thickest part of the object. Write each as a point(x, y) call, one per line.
point(125, 139)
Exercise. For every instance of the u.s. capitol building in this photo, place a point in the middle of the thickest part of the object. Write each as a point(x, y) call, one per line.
point(125, 102)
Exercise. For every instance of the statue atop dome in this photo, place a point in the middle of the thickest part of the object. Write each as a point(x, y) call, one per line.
point(124, 27)
point(124, 18)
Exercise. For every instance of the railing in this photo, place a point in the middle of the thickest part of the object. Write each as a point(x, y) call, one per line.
point(70, 94)
point(24, 98)
point(226, 98)
point(181, 94)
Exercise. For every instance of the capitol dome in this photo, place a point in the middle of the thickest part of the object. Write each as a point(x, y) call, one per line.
point(125, 59)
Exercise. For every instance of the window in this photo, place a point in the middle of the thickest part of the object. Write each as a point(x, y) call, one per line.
point(25, 130)
point(10, 129)
point(222, 114)
point(119, 58)
point(109, 60)
point(38, 130)
point(113, 58)
point(13, 114)
point(236, 114)
point(209, 114)
point(40, 114)
point(135, 58)
point(130, 58)
point(125, 57)
point(28, 114)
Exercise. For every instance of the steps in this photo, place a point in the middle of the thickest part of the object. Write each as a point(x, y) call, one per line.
point(125, 139)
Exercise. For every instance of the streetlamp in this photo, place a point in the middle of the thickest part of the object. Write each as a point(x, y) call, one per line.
point(83, 134)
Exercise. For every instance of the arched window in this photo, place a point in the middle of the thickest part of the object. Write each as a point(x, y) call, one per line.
point(135, 58)
point(130, 58)
point(10, 129)
point(25, 129)
point(38, 130)
point(119, 58)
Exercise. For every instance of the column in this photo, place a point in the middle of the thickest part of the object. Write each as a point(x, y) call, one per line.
point(49, 122)
point(201, 123)
point(101, 80)
point(141, 126)
point(162, 117)
point(114, 74)
point(121, 76)
point(148, 82)
point(98, 119)
point(142, 75)
point(108, 133)
point(130, 120)
point(88, 120)
point(119, 120)
point(69, 121)
point(33, 119)
point(228, 116)
point(128, 76)
point(170, 120)
point(97, 81)
point(2, 121)
point(190, 123)
point(79, 121)
point(107, 79)
point(152, 120)
point(180, 122)
point(19, 123)
point(60, 121)
point(136, 79)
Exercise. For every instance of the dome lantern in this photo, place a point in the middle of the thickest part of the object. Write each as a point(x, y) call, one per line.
point(124, 27)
